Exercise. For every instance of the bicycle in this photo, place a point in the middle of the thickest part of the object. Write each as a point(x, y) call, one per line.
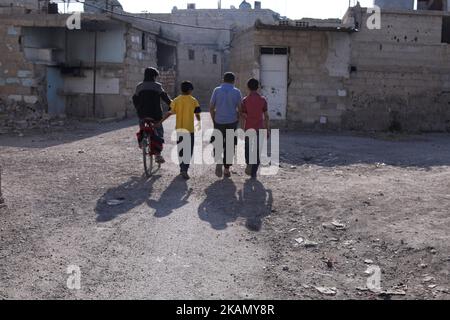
point(148, 130)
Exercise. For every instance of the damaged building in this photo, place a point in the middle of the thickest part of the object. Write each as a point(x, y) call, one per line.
point(203, 50)
point(348, 76)
point(316, 73)
point(48, 71)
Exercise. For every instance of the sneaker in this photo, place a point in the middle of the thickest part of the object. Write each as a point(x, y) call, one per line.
point(159, 159)
point(219, 171)
point(248, 170)
point(185, 176)
point(227, 173)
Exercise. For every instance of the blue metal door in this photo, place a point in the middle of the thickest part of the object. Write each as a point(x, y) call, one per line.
point(55, 89)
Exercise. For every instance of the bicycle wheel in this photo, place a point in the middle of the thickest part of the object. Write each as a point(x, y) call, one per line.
point(146, 153)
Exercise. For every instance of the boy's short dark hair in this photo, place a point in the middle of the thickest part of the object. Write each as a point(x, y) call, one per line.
point(187, 86)
point(253, 84)
point(229, 77)
point(150, 74)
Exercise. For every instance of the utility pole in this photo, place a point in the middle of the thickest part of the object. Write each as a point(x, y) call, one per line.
point(2, 201)
point(219, 4)
point(94, 93)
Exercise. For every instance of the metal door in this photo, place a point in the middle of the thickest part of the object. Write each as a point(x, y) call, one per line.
point(274, 82)
point(55, 87)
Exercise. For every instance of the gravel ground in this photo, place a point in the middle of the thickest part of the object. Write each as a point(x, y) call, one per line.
point(351, 202)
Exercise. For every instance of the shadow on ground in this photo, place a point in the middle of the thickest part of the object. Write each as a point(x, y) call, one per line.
point(224, 204)
point(331, 150)
point(120, 200)
point(73, 131)
point(174, 197)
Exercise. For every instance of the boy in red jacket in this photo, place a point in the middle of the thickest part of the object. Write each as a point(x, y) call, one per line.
point(255, 116)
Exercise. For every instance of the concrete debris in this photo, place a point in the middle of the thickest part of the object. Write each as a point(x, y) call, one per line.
point(327, 291)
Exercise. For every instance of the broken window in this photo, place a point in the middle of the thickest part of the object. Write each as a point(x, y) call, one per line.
point(214, 58)
point(445, 29)
point(166, 55)
point(143, 42)
point(191, 54)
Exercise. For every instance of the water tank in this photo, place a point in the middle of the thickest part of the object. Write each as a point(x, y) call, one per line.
point(395, 4)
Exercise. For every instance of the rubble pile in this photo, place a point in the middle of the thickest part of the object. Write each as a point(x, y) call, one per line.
point(19, 116)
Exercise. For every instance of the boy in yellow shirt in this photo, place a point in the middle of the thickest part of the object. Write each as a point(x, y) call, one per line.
point(185, 106)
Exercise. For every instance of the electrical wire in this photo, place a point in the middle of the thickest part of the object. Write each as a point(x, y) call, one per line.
point(151, 19)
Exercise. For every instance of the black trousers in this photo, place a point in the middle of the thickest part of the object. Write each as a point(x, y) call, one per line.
point(223, 129)
point(184, 166)
point(252, 148)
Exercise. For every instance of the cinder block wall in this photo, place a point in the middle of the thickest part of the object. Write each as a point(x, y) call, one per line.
point(396, 78)
point(18, 79)
point(402, 77)
point(315, 79)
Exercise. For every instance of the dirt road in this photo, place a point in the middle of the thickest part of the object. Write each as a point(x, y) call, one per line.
point(350, 202)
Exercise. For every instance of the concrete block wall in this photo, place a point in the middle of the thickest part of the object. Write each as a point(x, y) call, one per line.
point(136, 60)
point(401, 75)
point(22, 104)
point(202, 72)
point(315, 89)
point(168, 79)
point(18, 80)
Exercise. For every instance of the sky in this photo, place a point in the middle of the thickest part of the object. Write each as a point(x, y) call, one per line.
point(294, 9)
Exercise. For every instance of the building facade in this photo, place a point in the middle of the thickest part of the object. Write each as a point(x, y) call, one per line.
point(47, 71)
point(203, 50)
point(352, 77)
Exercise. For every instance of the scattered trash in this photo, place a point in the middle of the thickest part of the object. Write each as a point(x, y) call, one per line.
point(115, 202)
point(300, 240)
point(393, 293)
point(335, 225)
point(368, 261)
point(327, 291)
point(433, 251)
point(428, 279)
point(81, 151)
point(330, 264)
point(432, 286)
point(380, 165)
point(285, 268)
point(349, 243)
point(423, 266)
point(292, 230)
point(293, 167)
point(310, 244)
point(338, 225)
